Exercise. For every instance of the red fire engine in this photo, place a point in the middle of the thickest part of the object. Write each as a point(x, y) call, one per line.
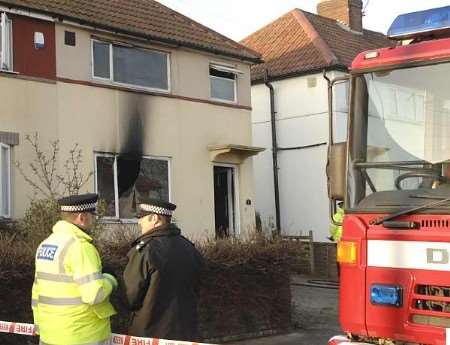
point(393, 174)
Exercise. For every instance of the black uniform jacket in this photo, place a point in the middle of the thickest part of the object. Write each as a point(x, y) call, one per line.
point(161, 282)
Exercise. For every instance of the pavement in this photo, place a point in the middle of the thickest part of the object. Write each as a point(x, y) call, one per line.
point(315, 317)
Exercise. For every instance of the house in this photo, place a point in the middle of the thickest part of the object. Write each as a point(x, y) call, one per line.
point(159, 105)
point(297, 48)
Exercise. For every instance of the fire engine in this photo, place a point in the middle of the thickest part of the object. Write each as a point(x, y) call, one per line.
point(393, 174)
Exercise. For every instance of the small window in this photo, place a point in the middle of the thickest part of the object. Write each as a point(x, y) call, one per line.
point(69, 38)
point(5, 43)
point(122, 182)
point(131, 66)
point(5, 181)
point(223, 82)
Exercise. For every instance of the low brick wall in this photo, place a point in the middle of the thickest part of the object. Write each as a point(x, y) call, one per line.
point(325, 260)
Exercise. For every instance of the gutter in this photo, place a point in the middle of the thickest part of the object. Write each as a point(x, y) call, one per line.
point(274, 152)
point(56, 17)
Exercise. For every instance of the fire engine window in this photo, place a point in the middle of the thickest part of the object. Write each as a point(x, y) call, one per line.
point(123, 181)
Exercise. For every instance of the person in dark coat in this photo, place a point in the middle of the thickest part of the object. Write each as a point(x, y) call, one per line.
point(162, 276)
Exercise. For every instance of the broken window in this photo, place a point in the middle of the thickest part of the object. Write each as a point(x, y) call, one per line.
point(130, 66)
point(5, 43)
point(5, 181)
point(123, 181)
point(223, 82)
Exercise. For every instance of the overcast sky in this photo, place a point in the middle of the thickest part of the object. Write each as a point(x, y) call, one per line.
point(239, 18)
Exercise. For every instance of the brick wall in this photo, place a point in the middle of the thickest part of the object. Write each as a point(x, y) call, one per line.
point(325, 260)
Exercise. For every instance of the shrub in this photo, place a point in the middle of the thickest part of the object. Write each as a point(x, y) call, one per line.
point(245, 286)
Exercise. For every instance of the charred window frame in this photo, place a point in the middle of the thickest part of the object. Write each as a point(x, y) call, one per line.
point(121, 189)
point(118, 64)
point(5, 43)
point(223, 82)
point(5, 181)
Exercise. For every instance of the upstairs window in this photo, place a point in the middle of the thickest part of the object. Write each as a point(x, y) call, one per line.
point(123, 181)
point(130, 66)
point(5, 181)
point(223, 81)
point(5, 43)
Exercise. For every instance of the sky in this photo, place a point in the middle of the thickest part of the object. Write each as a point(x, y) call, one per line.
point(239, 18)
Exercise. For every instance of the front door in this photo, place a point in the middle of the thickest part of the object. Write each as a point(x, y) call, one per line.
point(224, 201)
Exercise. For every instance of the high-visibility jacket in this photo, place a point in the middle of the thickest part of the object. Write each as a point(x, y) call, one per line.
point(70, 296)
point(336, 230)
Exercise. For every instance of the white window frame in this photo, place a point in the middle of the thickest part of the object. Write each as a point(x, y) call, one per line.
point(116, 189)
point(6, 54)
point(111, 80)
point(228, 69)
point(8, 187)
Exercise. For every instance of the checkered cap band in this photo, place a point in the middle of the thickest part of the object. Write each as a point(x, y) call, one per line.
point(156, 209)
point(79, 208)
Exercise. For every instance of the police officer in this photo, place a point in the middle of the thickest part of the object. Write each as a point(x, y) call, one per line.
point(162, 276)
point(70, 296)
point(336, 230)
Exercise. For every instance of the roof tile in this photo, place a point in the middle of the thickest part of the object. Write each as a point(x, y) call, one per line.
point(288, 47)
point(143, 18)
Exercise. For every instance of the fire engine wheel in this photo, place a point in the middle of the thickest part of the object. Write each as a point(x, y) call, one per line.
point(435, 177)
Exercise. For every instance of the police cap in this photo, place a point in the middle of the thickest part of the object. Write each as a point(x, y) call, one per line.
point(79, 203)
point(156, 206)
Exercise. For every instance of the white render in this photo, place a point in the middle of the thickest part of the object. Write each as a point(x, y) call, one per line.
point(302, 120)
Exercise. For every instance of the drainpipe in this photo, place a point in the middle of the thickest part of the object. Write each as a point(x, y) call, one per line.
point(274, 152)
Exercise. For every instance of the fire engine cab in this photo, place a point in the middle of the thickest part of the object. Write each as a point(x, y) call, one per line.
point(393, 174)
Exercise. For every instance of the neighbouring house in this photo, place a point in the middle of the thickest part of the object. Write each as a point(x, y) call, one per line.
point(297, 48)
point(159, 104)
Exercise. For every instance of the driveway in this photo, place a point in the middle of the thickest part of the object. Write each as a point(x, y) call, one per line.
point(315, 317)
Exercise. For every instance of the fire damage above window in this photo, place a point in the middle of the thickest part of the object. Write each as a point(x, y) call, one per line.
point(123, 180)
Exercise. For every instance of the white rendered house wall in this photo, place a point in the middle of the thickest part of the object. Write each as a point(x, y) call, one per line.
point(302, 120)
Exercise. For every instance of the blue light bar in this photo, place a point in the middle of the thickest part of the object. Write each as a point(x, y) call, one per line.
point(386, 295)
point(421, 23)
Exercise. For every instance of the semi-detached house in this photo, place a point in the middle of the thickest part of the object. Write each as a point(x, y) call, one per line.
point(291, 184)
point(159, 104)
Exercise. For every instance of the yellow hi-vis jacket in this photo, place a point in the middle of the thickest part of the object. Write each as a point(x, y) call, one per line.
point(336, 230)
point(70, 296)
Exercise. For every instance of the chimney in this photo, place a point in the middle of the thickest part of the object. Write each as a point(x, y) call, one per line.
point(348, 12)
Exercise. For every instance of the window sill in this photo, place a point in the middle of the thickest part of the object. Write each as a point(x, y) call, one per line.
point(223, 101)
point(8, 71)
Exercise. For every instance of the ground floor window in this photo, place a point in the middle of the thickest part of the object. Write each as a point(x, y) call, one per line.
point(122, 181)
point(5, 181)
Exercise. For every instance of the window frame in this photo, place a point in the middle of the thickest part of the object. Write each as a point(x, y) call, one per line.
point(116, 189)
point(232, 70)
point(7, 44)
point(8, 187)
point(111, 80)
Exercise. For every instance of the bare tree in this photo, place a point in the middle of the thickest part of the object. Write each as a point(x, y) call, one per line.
point(45, 179)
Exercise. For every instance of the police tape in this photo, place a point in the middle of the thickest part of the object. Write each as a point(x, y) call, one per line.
point(117, 339)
